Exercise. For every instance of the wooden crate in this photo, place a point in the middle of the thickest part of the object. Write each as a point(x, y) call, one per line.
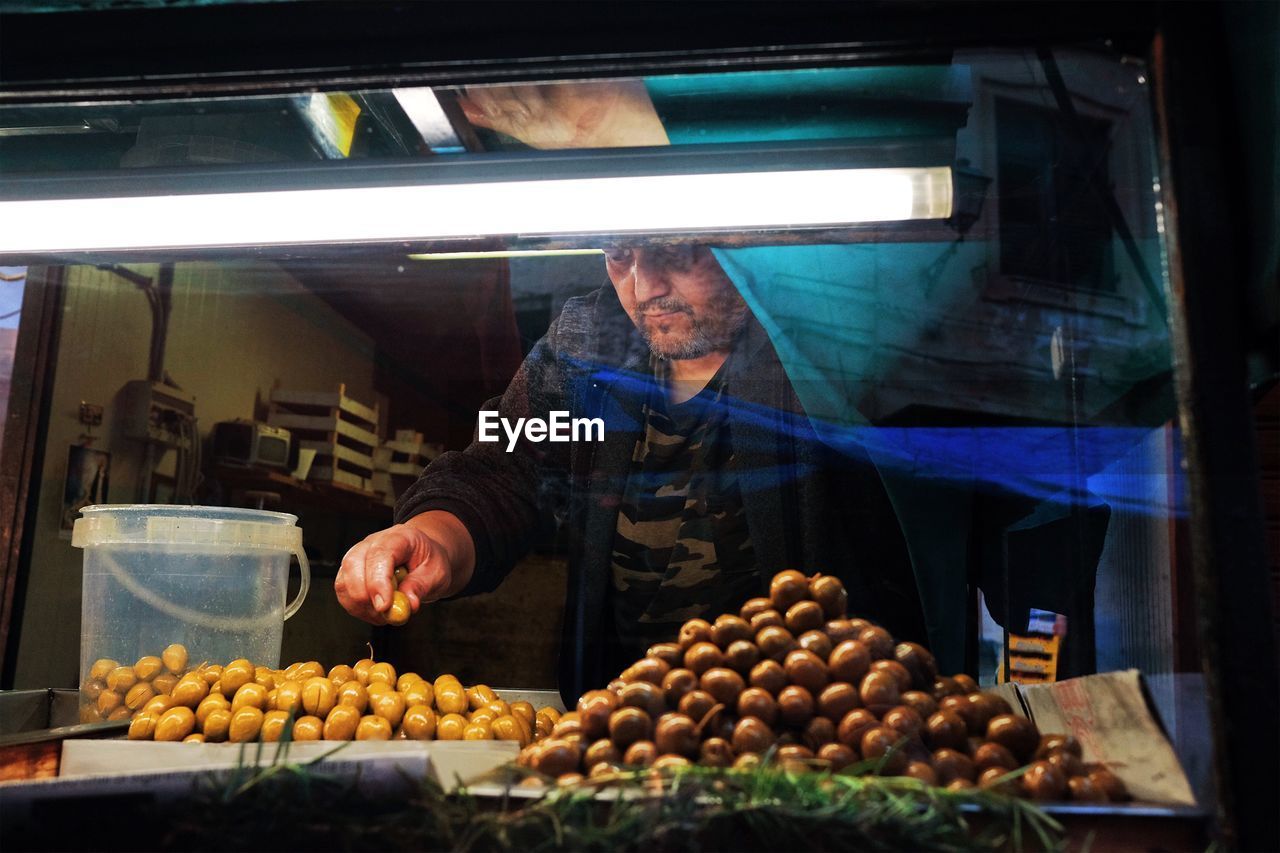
point(343, 432)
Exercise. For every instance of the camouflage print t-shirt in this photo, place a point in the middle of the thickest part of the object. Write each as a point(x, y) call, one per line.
point(682, 547)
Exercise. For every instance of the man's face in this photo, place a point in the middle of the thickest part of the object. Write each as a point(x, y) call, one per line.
point(678, 297)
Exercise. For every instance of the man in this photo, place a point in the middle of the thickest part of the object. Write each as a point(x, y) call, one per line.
point(708, 481)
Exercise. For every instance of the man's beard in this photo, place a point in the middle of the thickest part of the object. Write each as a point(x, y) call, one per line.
point(723, 319)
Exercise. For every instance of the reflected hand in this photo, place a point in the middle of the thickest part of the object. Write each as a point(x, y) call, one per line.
point(568, 115)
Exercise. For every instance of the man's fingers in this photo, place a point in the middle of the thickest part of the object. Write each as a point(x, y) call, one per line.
point(426, 583)
point(394, 548)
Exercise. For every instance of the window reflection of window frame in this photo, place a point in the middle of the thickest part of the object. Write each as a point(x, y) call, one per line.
point(1131, 132)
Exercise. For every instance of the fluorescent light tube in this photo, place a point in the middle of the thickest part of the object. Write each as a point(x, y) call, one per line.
point(608, 205)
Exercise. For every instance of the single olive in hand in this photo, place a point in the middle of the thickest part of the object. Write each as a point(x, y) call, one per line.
point(830, 594)
point(795, 705)
point(878, 641)
point(400, 610)
point(676, 734)
point(897, 670)
point(1043, 782)
point(838, 699)
point(694, 631)
point(1017, 734)
point(787, 588)
point(768, 675)
point(676, 684)
point(849, 661)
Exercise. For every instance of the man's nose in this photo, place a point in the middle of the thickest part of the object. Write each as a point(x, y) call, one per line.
point(651, 281)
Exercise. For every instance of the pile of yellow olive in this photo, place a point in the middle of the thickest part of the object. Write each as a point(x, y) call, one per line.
point(791, 677)
point(240, 702)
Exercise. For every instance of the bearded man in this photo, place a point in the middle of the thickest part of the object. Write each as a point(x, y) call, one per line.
point(709, 478)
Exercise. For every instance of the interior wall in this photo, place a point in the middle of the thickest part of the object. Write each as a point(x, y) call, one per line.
point(235, 329)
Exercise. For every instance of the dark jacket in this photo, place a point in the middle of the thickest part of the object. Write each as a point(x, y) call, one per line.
point(807, 507)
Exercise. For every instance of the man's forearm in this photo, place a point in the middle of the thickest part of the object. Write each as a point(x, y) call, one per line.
point(452, 535)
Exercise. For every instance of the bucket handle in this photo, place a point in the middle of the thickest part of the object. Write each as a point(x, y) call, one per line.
point(216, 623)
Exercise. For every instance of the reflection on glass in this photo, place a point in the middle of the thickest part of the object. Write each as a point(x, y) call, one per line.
point(970, 420)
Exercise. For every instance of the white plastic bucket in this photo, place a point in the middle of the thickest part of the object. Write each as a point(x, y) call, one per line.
point(213, 579)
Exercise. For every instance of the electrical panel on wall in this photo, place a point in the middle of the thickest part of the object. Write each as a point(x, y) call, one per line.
point(158, 413)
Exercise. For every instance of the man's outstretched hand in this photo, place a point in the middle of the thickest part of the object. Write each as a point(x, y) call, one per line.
point(434, 547)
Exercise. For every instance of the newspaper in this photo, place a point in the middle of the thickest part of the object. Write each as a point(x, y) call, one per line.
point(1110, 716)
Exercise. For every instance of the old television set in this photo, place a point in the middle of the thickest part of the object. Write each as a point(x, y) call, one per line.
point(251, 444)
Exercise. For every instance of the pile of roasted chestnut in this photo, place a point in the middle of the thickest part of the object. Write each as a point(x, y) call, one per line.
point(791, 679)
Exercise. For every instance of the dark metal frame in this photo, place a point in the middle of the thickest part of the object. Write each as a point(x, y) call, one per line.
point(195, 52)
